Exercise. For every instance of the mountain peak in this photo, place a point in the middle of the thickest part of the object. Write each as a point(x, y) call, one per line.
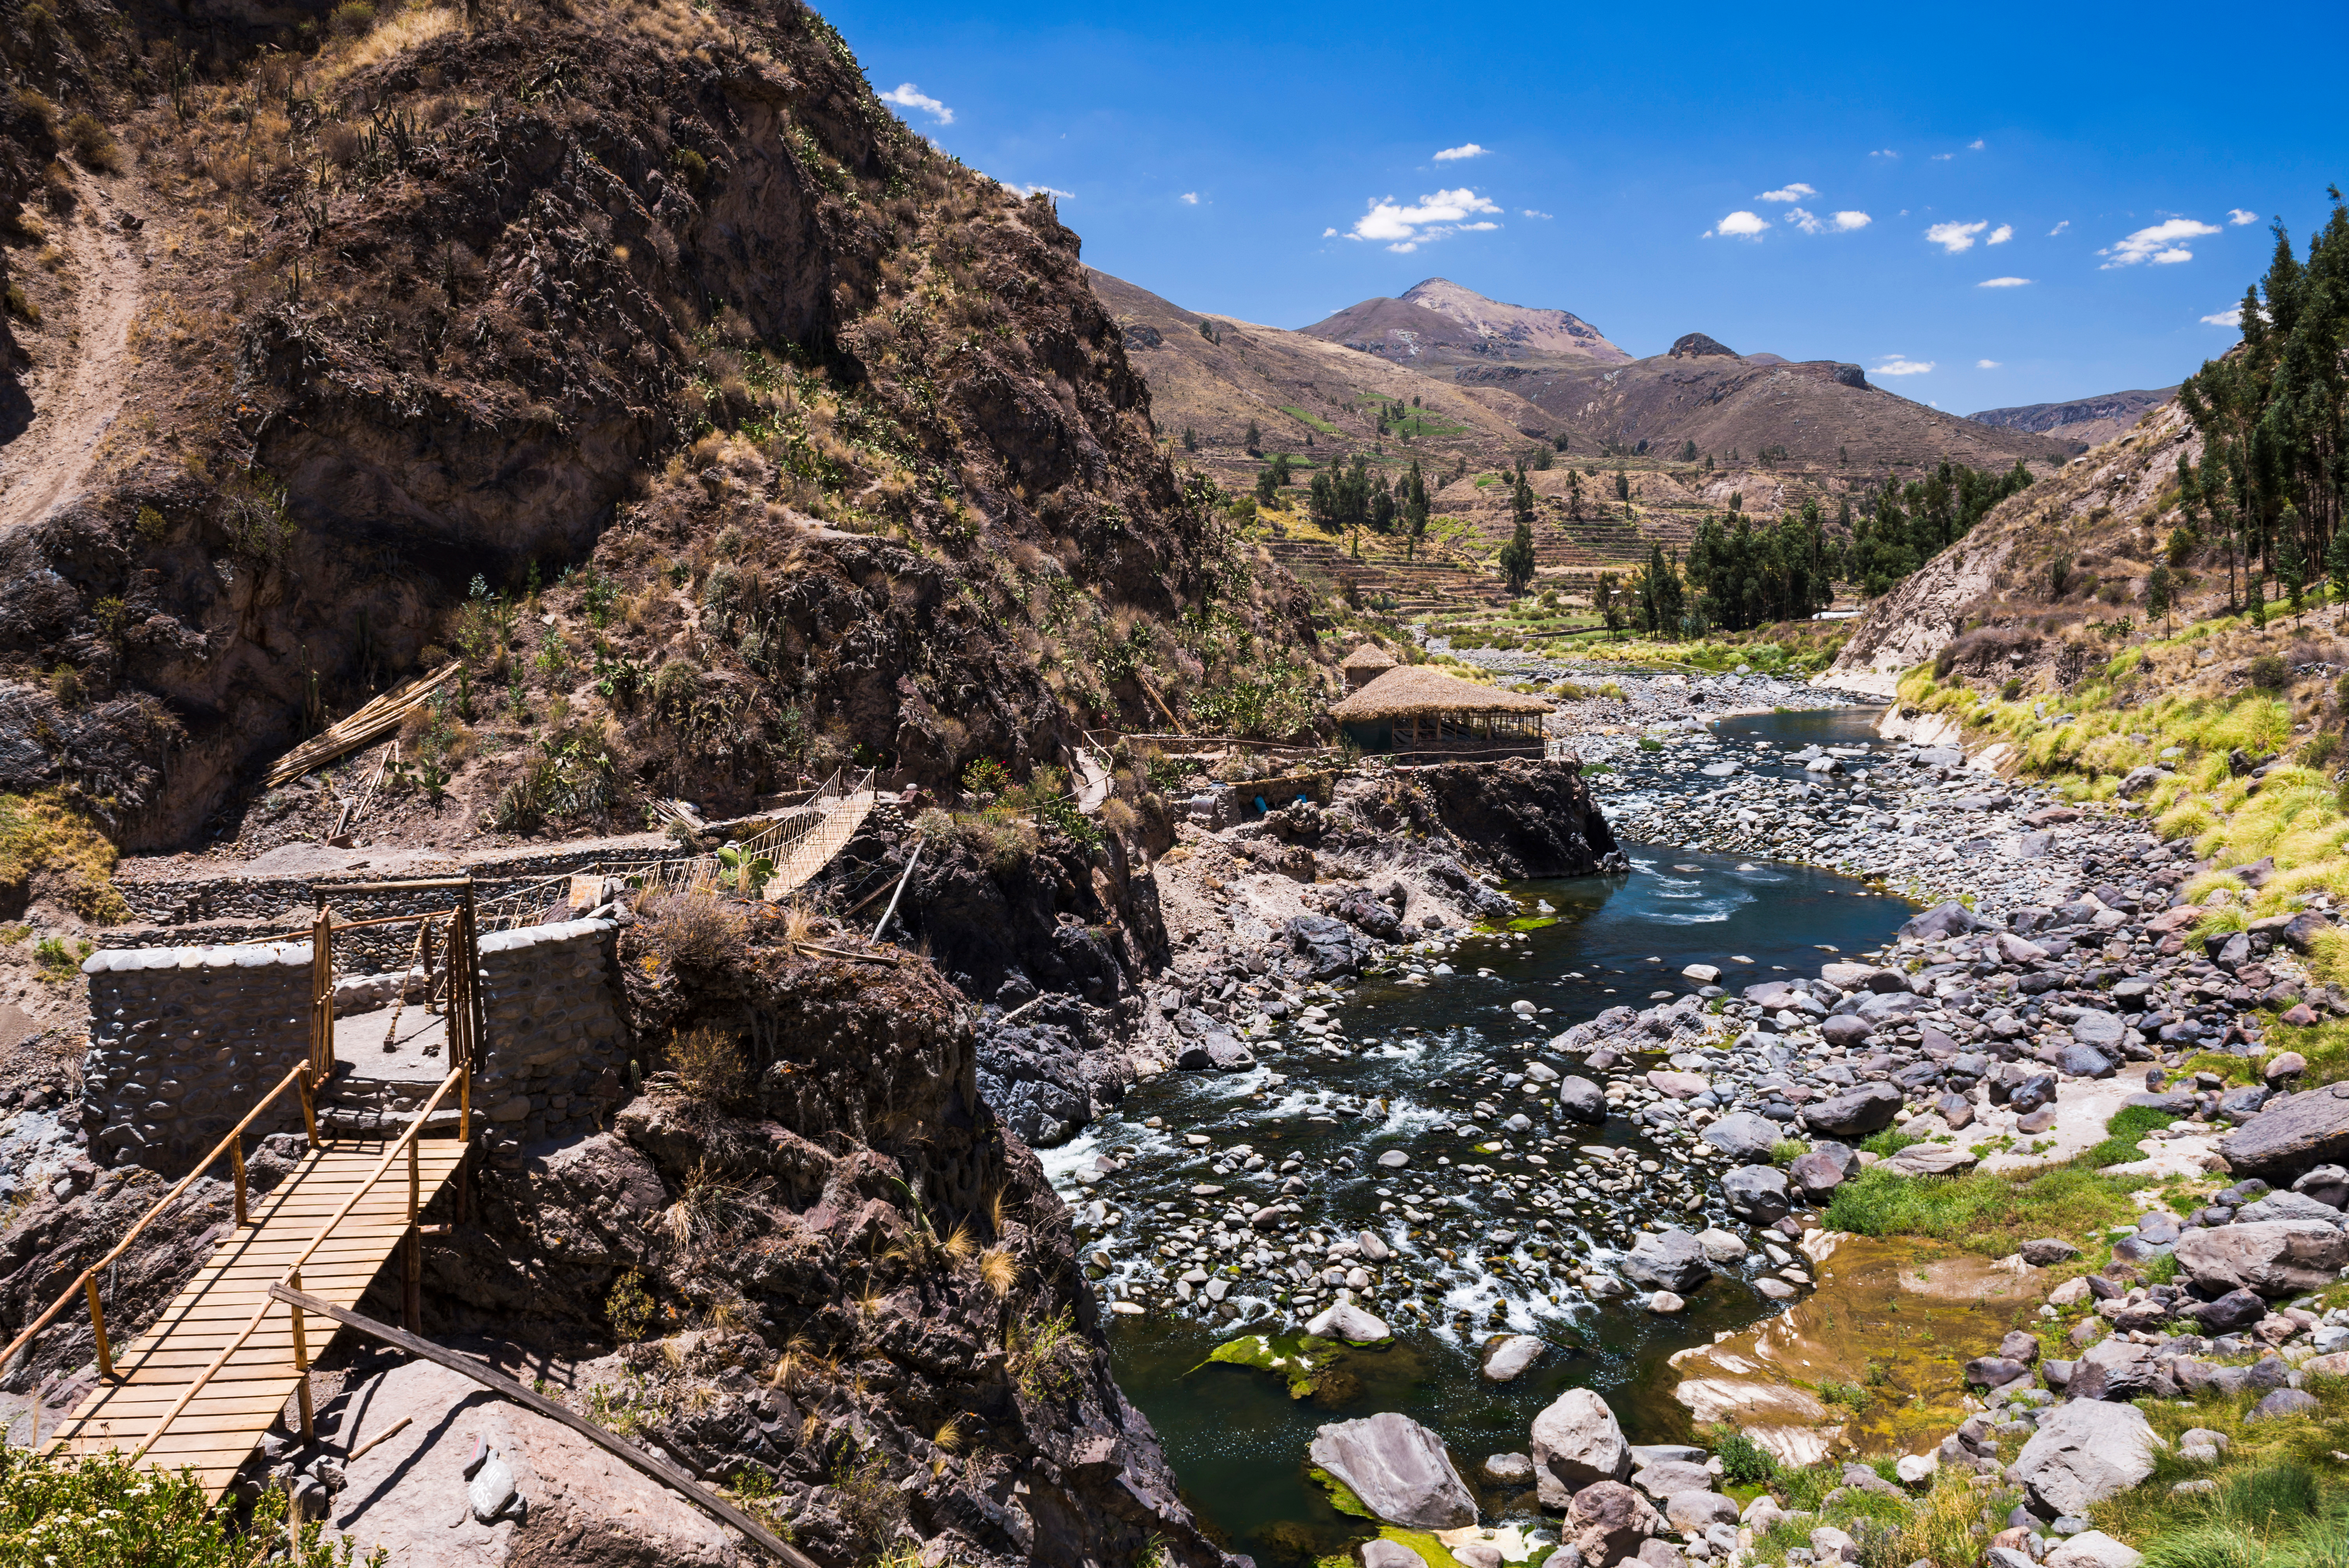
point(1514, 328)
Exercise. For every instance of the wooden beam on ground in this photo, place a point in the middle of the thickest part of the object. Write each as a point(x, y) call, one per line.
point(668, 1475)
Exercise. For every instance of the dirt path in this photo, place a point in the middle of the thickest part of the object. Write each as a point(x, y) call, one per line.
point(76, 401)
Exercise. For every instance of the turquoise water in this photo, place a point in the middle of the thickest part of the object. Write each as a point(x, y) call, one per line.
point(1235, 1438)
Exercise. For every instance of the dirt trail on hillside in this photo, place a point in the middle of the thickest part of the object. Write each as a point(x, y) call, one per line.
point(76, 401)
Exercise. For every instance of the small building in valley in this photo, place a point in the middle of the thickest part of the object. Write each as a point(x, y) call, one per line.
point(1365, 665)
point(1414, 708)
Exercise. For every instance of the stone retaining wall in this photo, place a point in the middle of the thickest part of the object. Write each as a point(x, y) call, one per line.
point(184, 1041)
point(558, 1050)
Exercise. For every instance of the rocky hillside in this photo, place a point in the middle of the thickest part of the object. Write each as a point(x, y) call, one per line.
point(1815, 414)
point(2089, 421)
point(2104, 522)
point(1305, 396)
point(637, 356)
point(1439, 323)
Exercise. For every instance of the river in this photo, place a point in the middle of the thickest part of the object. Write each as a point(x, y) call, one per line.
point(1420, 1057)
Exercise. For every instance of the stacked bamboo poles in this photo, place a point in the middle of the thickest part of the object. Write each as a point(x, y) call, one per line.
point(376, 719)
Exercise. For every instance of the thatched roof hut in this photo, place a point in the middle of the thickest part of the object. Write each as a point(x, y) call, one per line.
point(1413, 708)
point(1365, 665)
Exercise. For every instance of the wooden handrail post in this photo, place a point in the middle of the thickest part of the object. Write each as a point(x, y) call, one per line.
point(411, 1304)
point(97, 1325)
point(309, 1109)
point(301, 1362)
point(236, 1163)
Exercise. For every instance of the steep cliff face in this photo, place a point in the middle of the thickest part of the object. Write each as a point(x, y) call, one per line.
point(836, 1282)
point(658, 294)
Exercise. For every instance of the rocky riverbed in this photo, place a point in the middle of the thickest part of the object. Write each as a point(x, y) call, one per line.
point(1409, 1135)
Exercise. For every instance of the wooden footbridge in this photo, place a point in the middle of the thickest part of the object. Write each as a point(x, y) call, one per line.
point(215, 1370)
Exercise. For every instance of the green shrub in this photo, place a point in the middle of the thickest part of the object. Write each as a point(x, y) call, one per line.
point(91, 143)
point(2268, 672)
point(1743, 1461)
point(100, 1513)
point(351, 19)
point(21, 306)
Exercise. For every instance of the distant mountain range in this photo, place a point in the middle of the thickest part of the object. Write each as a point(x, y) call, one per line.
point(1488, 379)
point(2084, 420)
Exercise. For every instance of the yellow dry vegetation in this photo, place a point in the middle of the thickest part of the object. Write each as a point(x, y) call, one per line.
point(50, 849)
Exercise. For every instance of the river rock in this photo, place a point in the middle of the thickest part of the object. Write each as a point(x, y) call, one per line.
point(1509, 1357)
point(1582, 1101)
point(1349, 1323)
point(1398, 1469)
point(1509, 1469)
point(2275, 1258)
point(2284, 1402)
point(2238, 1309)
point(1381, 1553)
point(1846, 1030)
point(1662, 1479)
point(1865, 1109)
point(2292, 1133)
point(2326, 1184)
point(2287, 1206)
point(1931, 1160)
point(1721, 1246)
point(2085, 1452)
point(1756, 1194)
point(2115, 1368)
point(1577, 1440)
point(2093, 1549)
point(1744, 1136)
point(1940, 920)
point(1607, 1521)
point(1994, 1371)
point(1667, 1260)
point(2084, 1061)
point(2097, 1028)
point(1692, 1512)
point(1826, 1167)
point(2047, 1250)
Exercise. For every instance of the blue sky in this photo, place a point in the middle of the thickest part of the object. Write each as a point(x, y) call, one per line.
point(1826, 182)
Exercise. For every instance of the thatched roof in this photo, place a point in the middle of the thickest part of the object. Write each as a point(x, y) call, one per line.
point(1416, 688)
point(1369, 656)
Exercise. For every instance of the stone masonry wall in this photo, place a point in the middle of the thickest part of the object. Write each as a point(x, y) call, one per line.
point(557, 1056)
point(184, 1041)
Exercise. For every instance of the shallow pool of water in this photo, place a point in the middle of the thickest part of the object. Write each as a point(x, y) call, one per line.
point(1409, 1080)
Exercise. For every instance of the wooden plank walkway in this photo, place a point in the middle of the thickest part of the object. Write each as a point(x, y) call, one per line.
point(842, 817)
point(217, 1431)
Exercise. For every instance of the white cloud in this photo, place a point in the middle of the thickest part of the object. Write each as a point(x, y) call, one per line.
point(2157, 243)
point(2238, 217)
point(1531, 213)
point(2059, 228)
point(1057, 194)
point(2001, 235)
point(1435, 217)
point(1943, 156)
point(1985, 364)
point(1884, 152)
point(2231, 316)
point(908, 96)
point(1189, 198)
point(1796, 192)
point(1466, 149)
point(1901, 365)
point(2001, 282)
point(1833, 224)
point(1975, 145)
point(1329, 233)
point(1740, 225)
point(1954, 237)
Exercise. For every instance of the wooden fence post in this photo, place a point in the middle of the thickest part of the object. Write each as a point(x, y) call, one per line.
point(97, 1327)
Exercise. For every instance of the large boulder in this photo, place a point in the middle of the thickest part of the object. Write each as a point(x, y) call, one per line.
point(1398, 1469)
point(1744, 1136)
point(1940, 920)
point(1667, 1260)
point(2118, 1369)
point(1691, 1513)
point(2292, 1133)
point(2084, 1452)
point(1582, 1101)
point(2274, 1257)
point(1577, 1440)
point(1825, 1168)
point(1757, 1194)
point(1510, 1357)
point(1868, 1109)
point(1607, 1522)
